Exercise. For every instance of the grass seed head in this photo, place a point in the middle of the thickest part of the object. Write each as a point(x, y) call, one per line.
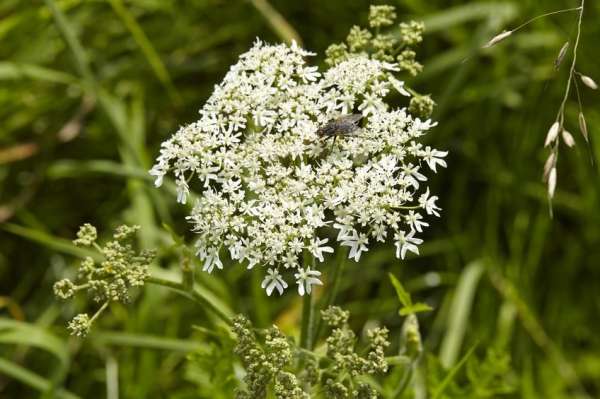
point(589, 82)
point(498, 38)
point(552, 133)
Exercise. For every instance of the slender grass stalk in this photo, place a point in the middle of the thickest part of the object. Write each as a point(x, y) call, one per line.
point(192, 294)
point(561, 110)
point(524, 24)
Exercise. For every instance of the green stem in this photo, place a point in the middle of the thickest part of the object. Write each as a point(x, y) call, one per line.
point(99, 312)
point(573, 62)
point(192, 294)
point(333, 289)
point(307, 325)
point(524, 24)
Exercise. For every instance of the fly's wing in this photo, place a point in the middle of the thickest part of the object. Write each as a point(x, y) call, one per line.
point(348, 124)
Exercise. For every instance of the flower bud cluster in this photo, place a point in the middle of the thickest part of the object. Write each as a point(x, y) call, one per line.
point(392, 45)
point(272, 190)
point(265, 364)
point(342, 341)
point(275, 364)
point(121, 269)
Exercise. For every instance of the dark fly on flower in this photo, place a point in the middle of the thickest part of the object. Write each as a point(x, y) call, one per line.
point(347, 125)
point(343, 126)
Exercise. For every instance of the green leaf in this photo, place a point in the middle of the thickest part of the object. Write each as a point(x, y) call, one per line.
point(145, 341)
point(403, 295)
point(462, 303)
point(21, 333)
point(13, 70)
point(32, 379)
point(415, 308)
point(51, 242)
point(450, 376)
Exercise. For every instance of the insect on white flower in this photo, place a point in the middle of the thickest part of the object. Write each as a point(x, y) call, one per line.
point(266, 189)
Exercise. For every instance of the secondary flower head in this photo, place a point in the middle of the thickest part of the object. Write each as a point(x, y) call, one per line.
point(271, 190)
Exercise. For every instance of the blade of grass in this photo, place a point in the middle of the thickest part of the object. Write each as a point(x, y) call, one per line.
point(14, 70)
point(70, 37)
point(145, 341)
point(32, 379)
point(74, 168)
point(461, 14)
point(21, 333)
point(54, 243)
point(199, 296)
point(280, 25)
point(537, 333)
point(459, 313)
point(450, 376)
point(138, 34)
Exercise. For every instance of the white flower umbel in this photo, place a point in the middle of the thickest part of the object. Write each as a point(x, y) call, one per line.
point(271, 190)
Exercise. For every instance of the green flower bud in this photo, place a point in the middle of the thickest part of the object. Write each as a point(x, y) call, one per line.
point(421, 106)
point(64, 288)
point(80, 325)
point(86, 235)
point(381, 16)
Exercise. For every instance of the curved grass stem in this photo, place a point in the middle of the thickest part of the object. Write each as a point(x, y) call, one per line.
point(192, 294)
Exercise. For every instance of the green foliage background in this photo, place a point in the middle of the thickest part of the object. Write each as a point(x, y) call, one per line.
point(80, 126)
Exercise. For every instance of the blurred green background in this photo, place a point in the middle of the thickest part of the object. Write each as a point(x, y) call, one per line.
point(85, 101)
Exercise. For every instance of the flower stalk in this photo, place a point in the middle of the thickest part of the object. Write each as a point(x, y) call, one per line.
point(191, 293)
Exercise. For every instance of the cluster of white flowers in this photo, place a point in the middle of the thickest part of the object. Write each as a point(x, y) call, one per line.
point(271, 188)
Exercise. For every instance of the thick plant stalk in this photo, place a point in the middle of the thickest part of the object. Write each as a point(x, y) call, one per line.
point(307, 323)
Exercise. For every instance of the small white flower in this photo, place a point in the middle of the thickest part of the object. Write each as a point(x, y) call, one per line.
point(182, 191)
point(356, 242)
point(317, 250)
point(428, 203)
point(211, 259)
point(306, 278)
point(406, 242)
point(434, 157)
point(414, 221)
point(159, 174)
point(413, 176)
point(273, 280)
point(399, 86)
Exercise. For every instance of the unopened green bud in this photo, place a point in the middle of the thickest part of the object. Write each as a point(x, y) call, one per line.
point(381, 16)
point(411, 337)
point(86, 235)
point(421, 106)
